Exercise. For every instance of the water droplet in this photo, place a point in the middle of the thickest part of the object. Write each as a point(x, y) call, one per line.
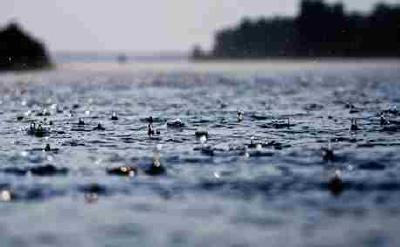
point(203, 139)
point(5, 195)
point(49, 158)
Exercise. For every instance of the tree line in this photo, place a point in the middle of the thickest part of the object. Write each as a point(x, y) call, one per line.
point(319, 30)
point(20, 51)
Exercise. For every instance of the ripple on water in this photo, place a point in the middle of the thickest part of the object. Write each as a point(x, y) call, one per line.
point(97, 125)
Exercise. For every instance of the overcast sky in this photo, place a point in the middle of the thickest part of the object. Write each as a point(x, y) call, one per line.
point(141, 25)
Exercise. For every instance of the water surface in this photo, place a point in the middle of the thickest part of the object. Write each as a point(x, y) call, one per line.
point(253, 182)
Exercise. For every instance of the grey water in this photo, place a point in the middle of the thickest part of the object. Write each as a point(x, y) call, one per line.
point(261, 180)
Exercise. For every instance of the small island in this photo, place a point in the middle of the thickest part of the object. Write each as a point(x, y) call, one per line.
point(319, 30)
point(19, 51)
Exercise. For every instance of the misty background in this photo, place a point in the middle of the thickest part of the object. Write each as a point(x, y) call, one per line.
point(142, 27)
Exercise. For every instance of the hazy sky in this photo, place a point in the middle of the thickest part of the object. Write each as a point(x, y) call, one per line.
point(148, 25)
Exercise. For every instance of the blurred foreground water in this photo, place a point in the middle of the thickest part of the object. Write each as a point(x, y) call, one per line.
point(266, 178)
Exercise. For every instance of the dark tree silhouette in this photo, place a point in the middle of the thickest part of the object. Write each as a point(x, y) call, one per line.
point(320, 29)
point(19, 51)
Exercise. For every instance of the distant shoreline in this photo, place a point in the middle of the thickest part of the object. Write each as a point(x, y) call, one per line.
point(228, 66)
point(320, 30)
point(293, 58)
point(111, 57)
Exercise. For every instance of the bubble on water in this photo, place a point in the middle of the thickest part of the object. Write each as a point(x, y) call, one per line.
point(156, 158)
point(49, 158)
point(114, 116)
point(5, 195)
point(128, 171)
point(217, 174)
point(246, 152)
point(87, 112)
point(349, 168)
point(156, 162)
point(98, 161)
point(203, 139)
point(239, 115)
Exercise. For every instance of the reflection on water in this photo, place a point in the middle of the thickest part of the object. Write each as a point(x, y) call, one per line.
point(297, 154)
